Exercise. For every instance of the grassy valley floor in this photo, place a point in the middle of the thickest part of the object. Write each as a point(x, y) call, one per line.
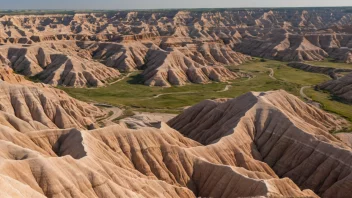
point(131, 93)
point(330, 103)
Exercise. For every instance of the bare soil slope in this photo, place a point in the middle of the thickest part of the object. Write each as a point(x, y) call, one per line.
point(276, 128)
point(238, 150)
point(27, 106)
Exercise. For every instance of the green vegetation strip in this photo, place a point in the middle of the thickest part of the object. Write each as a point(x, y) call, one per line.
point(131, 93)
point(330, 103)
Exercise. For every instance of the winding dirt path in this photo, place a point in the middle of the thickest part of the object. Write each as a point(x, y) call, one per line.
point(301, 92)
point(227, 87)
point(249, 78)
point(157, 96)
point(309, 100)
point(116, 112)
point(272, 73)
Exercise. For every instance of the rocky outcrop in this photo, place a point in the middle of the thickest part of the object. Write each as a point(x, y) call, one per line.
point(234, 149)
point(281, 45)
point(346, 138)
point(44, 107)
point(284, 34)
point(332, 72)
point(114, 162)
point(174, 66)
point(124, 41)
point(125, 57)
point(337, 45)
point(276, 128)
point(179, 22)
point(165, 68)
point(27, 106)
point(82, 64)
point(348, 57)
point(261, 144)
point(7, 75)
point(341, 87)
point(291, 45)
point(212, 53)
point(58, 64)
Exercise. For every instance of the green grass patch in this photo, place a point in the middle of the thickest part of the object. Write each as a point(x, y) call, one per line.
point(131, 93)
point(110, 113)
point(297, 76)
point(330, 103)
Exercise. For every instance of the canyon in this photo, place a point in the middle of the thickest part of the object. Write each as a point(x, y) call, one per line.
point(87, 103)
point(182, 44)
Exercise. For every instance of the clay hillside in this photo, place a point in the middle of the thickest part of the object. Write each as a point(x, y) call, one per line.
point(27, 106)
point(174, 47)
point(340, 87)
point(268, 144)
point(176, 103)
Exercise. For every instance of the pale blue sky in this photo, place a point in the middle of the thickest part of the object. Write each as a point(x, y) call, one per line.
point(150, 4)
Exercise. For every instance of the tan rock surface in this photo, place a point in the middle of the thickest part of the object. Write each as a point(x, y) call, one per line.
point(167, 68)
point(178, 22)
point(208, 38)
point(115, 162)
point(27, 106)
point(213, 54)
point(58, 64)
point(346, 138)
point(276, 128)
point(69, 63)
point(241, 152)
point(282, 45)
point(173, 66)
point(7, 75)
point(261, 144)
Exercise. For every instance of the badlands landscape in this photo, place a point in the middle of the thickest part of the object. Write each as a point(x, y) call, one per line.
point(176, 103)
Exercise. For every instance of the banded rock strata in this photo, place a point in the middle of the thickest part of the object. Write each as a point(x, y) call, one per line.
point(232, 148)
point(27, 106)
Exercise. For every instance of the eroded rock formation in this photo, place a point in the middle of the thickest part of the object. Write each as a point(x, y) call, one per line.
point(27, 106)
point(276, 128)
point(235, 148)
point(57, 64)
point(331, 71)
point(261, 144)
point(341, 87)
point(124, 41)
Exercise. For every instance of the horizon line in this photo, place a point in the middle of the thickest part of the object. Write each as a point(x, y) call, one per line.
point(185, 8)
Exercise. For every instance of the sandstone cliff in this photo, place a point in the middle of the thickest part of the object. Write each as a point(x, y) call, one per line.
point(27, 106)
point(276, 128)
point(57, 64)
